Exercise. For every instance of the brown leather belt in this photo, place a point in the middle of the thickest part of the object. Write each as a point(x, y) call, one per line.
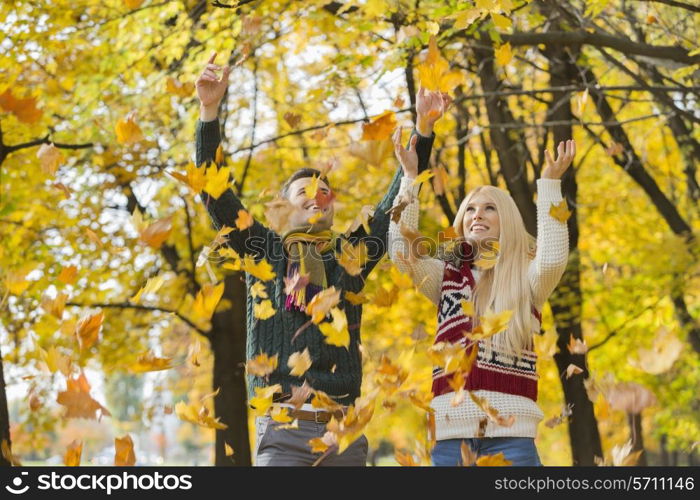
point(320, 417)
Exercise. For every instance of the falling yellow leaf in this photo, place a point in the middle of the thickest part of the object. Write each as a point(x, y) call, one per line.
point(281, 414)
point(490, 324)
point(422, 177)
point(88, 329)
point(55, 361)
point(263, 310)
point(197, 414)
point(386, 298)
point(77, 400)
point(405, 459)
point(503, 54)
point(292, 119)
point(262, 401)
point(277, 213)
point(299, 362)
point(318, 445)
point(356, 298)
point(217, 180)
point(207, 299)
point(577, 346)
point(172, 85)
point(193, 352)
point(468, 308)
point(24, 109)
point(258, 291)
point(228, 450)
point(311, 189)
point(451, 357)
point(128, 132)
point(68, 275)
point(623, 456)
point(55, 306)
point(16, 283)
point(148, 362)
point(566, 412)
point(261, 270)
point(50, 157)
point(491, 412)
point(380, 128)
point(261, 365)
point(152, 286)
point(468, 456)
point(663, 353)
point(572, 369)
point(614, 149)
point(244, 220)
point(336, 332)
point(64, 189)
point(157, 233)
point(560, 211)
point(321, 304)
point(372, 152)
point(440, 180)
point(194, 177)
point(353, 257)
point(72, 456)
point(124, 451)
point(497, 460)
point(434, 72)
point(323, 401)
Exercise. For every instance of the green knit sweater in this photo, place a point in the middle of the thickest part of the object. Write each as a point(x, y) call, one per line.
point(334, 370)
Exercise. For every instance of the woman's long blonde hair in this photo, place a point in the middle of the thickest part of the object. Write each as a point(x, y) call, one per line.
point(505, 286)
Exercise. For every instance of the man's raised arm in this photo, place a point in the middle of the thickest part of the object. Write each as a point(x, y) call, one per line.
point(223, 210)
point(430, 106)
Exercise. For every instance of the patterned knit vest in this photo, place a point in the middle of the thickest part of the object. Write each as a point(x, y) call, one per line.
point(495, 372)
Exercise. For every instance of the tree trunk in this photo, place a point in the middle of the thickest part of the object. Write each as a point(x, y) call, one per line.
point(4, 416)
point(228, 344)
point(635, 422)
point(508, 143)
point(566, 301)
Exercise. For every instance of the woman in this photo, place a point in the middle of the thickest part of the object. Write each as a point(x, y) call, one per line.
point(498, 370)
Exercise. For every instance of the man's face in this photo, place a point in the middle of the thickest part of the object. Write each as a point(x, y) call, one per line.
point(306, 210)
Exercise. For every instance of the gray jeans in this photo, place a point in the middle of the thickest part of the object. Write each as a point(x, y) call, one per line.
point(290, 447)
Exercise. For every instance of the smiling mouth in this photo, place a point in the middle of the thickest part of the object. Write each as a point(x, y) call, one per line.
point(479, 227)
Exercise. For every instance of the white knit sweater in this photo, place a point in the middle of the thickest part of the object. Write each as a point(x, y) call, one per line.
point(545, 271)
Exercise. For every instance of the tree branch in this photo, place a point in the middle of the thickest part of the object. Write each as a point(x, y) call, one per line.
point(141, 307)
point(672, 3)
point(626, 46)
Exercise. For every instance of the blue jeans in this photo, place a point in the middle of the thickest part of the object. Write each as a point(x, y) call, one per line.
point(519, 450)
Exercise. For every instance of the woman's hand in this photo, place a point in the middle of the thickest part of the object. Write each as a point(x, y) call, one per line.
point(210, 90)
point(565, 155)
point(430, 106)
point(408, 158)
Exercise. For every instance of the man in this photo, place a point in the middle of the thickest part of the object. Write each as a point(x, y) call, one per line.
point(307, 249)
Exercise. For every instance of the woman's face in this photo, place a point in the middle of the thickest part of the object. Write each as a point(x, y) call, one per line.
point(481, 219)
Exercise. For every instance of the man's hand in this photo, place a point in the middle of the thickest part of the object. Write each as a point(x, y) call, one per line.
point(430, 106)
point(408, 158)
point(565, 155)
point(210, 90)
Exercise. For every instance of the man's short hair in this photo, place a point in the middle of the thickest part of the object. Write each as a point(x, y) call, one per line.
point(300, 174)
